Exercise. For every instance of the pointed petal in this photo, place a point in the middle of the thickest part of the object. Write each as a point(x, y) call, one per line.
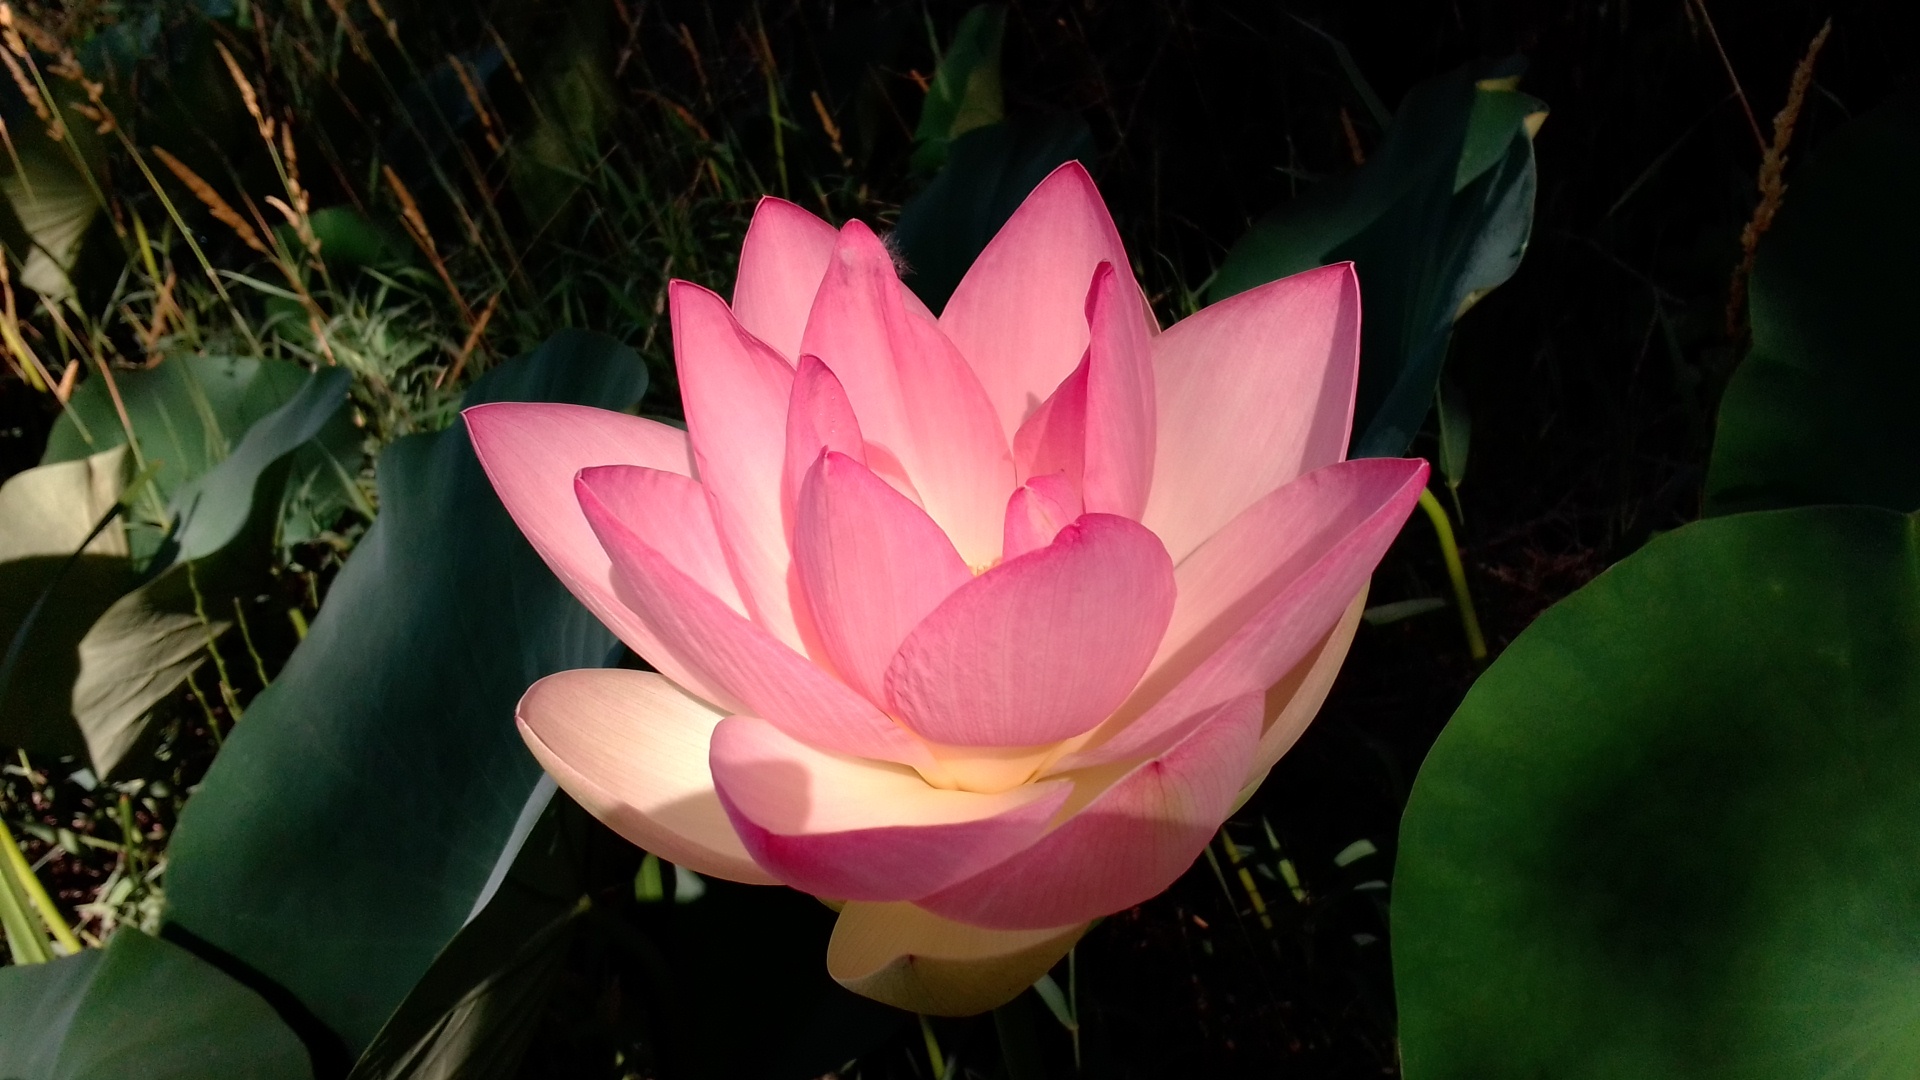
point(672, 515)
point(818, 418)
point(781, 263)
point(1037, 512)
point(1252, 392)
point(1053, 441)
point(1120, 399)
point(531, 452)
point(863, 830)
point(1127, 843)
point(1041, 648)
point(750, 670)
point(912, 959)
point(914, 394)
point(1294, 701)
point(1256, 598)
point(870, 566)
point(632, 749)
point(1019, 315)
point(735, 391)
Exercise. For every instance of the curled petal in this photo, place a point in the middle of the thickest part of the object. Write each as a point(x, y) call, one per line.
point(1252, 392)
point(632, 748)
point(531, 452)
point(1040, 648)
point(912, 959)
point(781, 263)
point(819, 417)
point(1053, 440)
point(1019, 315)
point(1127, 843)
point(751, 670)
point(1037, 512)
point(870, 566)
point(735, 390)
point(863, 830)
point(1120, 402)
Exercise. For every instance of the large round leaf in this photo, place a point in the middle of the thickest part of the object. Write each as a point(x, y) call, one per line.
point(1823, 409)
point(140, 1009)
point(1671, 833)
point(355, 818)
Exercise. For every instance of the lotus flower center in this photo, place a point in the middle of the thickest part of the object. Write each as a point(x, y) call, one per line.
point(985, 769)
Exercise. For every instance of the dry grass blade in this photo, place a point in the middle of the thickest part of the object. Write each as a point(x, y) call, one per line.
point(222, 211)
point(1773, 187)
point(452, 375)
point(1727, 63)
point(248, 96)
point(416, 224)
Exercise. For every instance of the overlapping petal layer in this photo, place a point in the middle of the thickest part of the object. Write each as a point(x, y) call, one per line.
point(913, 392)
point(846, 827)
point(1040, 648)
point(781, 263)
point(1251, 392)
point(632, 748)
point(735, 390)
point(1126, 843)
point(752, 671)
point(982, 622)
point(1019, 314)
point(871, 566)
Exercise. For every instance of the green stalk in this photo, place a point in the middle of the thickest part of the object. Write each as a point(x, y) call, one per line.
point(23, 941)
point(935, 1058)
point(1450, 551)
point(25, 881)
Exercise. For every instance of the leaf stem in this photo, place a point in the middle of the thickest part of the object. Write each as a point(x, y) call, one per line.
point(1450, 551)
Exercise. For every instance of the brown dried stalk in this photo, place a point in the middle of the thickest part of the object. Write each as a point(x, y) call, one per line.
point(1773, 187)
point(416, 225)
point(222, 210)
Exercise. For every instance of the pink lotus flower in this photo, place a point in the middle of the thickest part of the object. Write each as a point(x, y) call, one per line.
point(980, 623)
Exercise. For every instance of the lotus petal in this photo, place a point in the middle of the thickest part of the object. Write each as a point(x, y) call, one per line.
point(632, 748)
point(863, 830)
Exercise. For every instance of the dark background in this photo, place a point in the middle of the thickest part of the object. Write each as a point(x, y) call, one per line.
point(1592, 379)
